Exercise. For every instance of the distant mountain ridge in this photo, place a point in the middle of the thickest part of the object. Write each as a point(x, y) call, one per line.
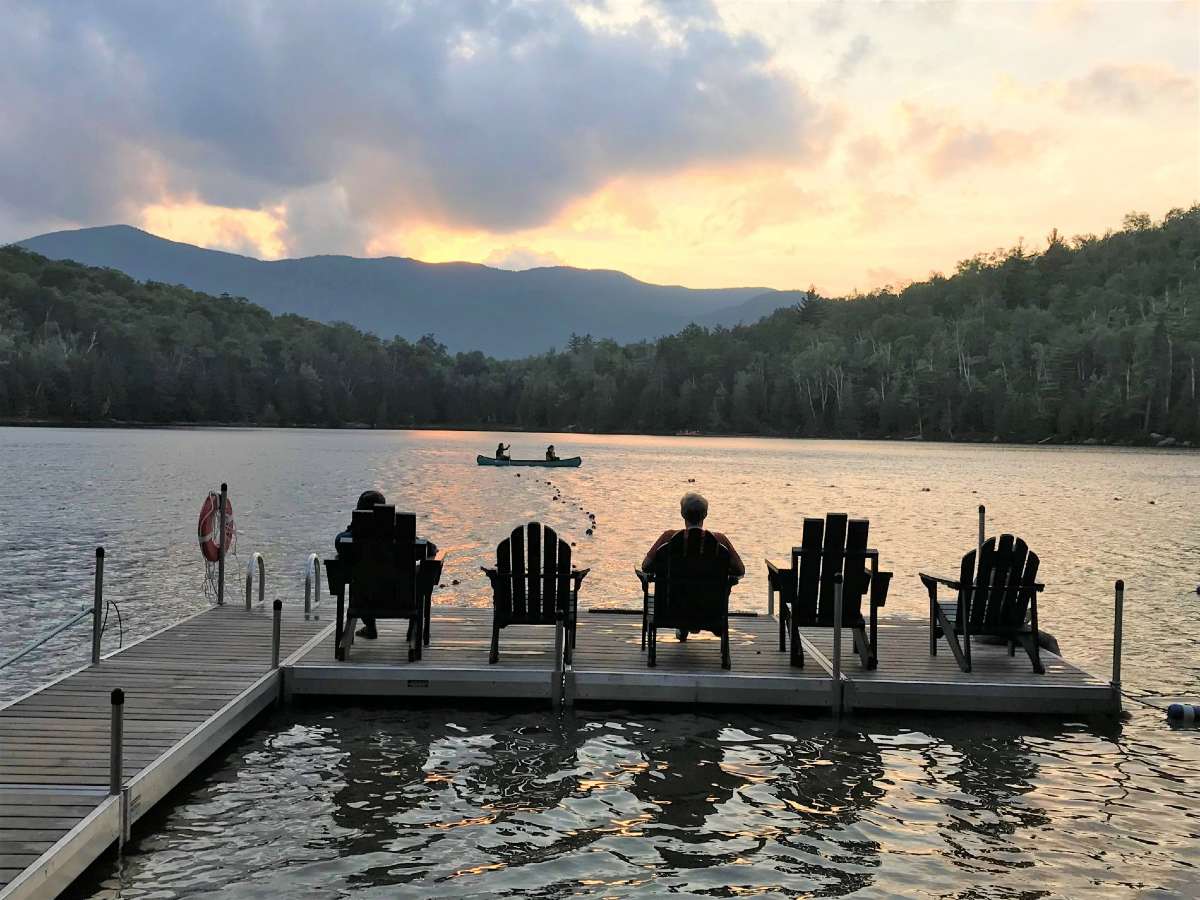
point(467, 306)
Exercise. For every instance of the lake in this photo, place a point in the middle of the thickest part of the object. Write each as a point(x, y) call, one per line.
point(436, 801)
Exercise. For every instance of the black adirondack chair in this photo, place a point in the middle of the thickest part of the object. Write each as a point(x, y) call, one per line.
point(997, 598)
point(835, 545)
point(388, 576)
point(692, 579)
point(533, 583)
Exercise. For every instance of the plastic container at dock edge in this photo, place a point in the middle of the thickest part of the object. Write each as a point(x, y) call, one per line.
point(1185, 713)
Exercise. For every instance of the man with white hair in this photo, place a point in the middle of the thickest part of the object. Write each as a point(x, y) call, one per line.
point(694, 509)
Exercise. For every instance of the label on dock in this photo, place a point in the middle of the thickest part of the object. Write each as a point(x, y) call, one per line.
point(417, 683)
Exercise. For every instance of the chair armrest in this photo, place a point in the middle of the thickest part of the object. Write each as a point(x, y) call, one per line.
point(646, 578)
point(578, 575)
point(335, 576)
point(776, 576)
point(880, 582)
point(928, 579)
point(431, 571)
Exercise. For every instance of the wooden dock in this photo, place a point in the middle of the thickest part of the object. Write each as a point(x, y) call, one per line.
point(188, 690)
point(609, 665)
point(193, 686)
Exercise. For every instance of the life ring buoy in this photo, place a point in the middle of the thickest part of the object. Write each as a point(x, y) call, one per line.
point(209, 526)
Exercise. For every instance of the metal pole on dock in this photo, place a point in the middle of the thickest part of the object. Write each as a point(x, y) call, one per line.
point(116, 742)
point(116, 761)
point(277, 607)
point(98, 606)
point(982, 528)
point(221, 546)
point(837, 645)
point(1118, 637)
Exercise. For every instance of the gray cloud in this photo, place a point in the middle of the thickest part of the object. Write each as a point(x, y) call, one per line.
point(1130, 88)
point(484, 114)
point(854, 56)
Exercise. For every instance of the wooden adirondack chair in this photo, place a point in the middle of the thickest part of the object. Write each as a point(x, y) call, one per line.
point(835, 545)
point(533, 583)
point(388, 577)
point(998, 598)
point(692, 580)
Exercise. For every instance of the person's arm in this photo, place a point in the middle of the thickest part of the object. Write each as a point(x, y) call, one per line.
point(648, 562)
point(736, 566)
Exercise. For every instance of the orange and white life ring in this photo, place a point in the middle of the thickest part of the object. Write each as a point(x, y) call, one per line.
point(210, 524)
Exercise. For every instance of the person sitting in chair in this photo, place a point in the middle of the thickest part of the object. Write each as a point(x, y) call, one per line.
point(694, 510)
point(551, 456)
point(502, 450)
point(344, 545)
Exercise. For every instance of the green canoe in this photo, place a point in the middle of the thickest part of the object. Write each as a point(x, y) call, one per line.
point(569, 462)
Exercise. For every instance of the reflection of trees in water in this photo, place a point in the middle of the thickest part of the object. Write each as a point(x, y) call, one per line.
point(779, 795)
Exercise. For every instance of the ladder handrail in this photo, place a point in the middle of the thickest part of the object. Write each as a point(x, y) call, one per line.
point(256, 557)
point(312, 578)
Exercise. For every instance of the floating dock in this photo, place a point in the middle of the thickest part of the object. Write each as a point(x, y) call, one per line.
point(191, 687)
point(609, 665)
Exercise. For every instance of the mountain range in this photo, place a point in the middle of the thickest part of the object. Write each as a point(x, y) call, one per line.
point(466, 306)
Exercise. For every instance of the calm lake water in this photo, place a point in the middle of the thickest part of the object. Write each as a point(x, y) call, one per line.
point(436, 801)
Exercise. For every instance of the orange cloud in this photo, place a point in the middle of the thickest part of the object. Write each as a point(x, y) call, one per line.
point(252, 232)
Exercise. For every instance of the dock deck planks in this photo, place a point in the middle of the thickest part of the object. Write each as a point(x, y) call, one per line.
point(188, 689)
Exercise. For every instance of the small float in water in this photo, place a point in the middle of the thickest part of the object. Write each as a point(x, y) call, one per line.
point(568, 462)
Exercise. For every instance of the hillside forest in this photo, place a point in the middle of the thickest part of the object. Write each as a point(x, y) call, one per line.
point(1089, 338)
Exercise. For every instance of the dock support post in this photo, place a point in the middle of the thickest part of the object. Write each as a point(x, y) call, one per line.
point(221, 546)
point(277, 616)
point(256, 559)
point(1118, 637)
point(556, 683)
point(770, 598)
point(98, 606)
point(837, 646)
point(116, 760)
point(982, 528)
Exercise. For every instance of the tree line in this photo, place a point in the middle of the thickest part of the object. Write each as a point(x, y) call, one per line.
point(1087, 339)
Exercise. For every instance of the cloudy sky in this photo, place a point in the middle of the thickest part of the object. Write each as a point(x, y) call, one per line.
point(844, 144)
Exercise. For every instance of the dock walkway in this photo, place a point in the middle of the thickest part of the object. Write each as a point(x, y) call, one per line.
point(188, 689)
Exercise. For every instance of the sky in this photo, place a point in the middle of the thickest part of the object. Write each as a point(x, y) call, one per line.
point(709, 143)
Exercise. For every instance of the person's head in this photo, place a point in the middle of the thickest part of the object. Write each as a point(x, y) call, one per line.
point(693, 508)
point(370, 499)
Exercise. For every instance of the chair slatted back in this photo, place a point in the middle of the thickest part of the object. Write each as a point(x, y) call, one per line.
point(691, 582)
point(383, 573)
point(1001, 575)
point(830, 547)
point(533, 566)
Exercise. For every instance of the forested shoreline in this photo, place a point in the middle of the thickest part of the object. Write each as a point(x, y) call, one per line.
point(1088, 339)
